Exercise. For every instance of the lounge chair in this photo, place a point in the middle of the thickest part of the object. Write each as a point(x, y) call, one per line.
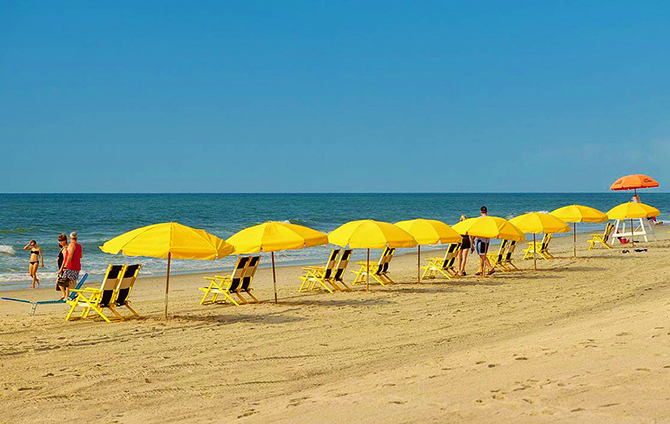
point(508, 260)
point(125, 287)
point(445, 265)
point(541, 248)
point(497, 258)
point(385, 268)
point(603, 238)
point(316, 276)
point(375, 270)
point(225, 285)
point(35, 303)
point(98, 299)
point(248, 278)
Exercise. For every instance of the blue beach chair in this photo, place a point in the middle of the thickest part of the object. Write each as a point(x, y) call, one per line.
point(34, 303)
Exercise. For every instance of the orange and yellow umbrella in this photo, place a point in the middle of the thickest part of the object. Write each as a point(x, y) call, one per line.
point(633, 182)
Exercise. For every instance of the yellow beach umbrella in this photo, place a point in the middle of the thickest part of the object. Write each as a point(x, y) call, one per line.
point(428, 231)
point(169, 240)
point(489, 227)
point(274, 236)
point(537, 223)
point(369, 234)
point(579, 213)
point(632, 211)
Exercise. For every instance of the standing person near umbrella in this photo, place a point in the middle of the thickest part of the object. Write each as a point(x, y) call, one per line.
point(62, 285)
point(69, 272)
point(466, 244)
point(481, 245)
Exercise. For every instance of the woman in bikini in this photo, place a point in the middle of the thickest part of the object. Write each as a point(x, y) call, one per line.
point(36, 260)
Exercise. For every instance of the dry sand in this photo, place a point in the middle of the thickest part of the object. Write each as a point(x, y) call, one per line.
point(580, 340)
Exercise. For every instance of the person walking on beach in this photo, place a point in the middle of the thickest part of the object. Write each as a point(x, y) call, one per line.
point(481, 244)
point(463, 253)
point(36, 259)
point(62, 285)
point(72, 264)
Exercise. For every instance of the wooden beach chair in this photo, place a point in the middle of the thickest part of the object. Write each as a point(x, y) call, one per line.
point(445, 265)
point(497, 258)
point(225, 285)
point(35, 303)
point(385, 267)
point(375, 270)
point(508, 260)
point(92, 299)
point(248, 278)
point(316, 276)
point(125, 287)
point(603, 238)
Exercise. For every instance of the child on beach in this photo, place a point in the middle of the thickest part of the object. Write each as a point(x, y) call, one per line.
point(36, 259)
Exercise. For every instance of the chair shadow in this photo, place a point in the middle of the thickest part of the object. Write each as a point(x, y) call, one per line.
point(271, 319)
point(313, 301)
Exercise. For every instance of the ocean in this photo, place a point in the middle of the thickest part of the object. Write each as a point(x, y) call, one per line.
point(99, 217)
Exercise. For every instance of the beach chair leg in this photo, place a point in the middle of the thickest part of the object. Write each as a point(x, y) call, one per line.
point(323, 284)
point(116, 313)
point(69, 314)
point(204, 298)
point(127, 305)
point(252, 296)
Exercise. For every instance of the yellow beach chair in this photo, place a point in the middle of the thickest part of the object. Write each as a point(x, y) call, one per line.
point(377, 270)
point(316, 276)
point(248, 278)
point(337, 278)
point(497, 258)
point(92, 299)
point(444, 266)
point(508, 260)
point(603, 238)
point(541, 248)
point(544, 246)
point(125, 287)
point(225, 285)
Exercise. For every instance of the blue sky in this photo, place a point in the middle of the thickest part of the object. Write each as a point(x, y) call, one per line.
point(344, 96)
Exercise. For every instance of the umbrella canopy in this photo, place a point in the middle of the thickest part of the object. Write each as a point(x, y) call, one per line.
point(177, 240)
point(370, 234)
point(169, 240)
point(632, 210)
point(633, 182)
point(274, 236)
point(537, 222)
point(490, 227)
point(579, 213)
point(428, 231)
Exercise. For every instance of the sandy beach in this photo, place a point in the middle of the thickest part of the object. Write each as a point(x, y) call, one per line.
point(582, 339)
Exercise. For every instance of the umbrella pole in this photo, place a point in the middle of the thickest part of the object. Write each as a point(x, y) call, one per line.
point(574, 237)
point(367, 274)
point(274, 276)
point(535, 251)
point(167, 284)
point(418, 264)
point(632, 233)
